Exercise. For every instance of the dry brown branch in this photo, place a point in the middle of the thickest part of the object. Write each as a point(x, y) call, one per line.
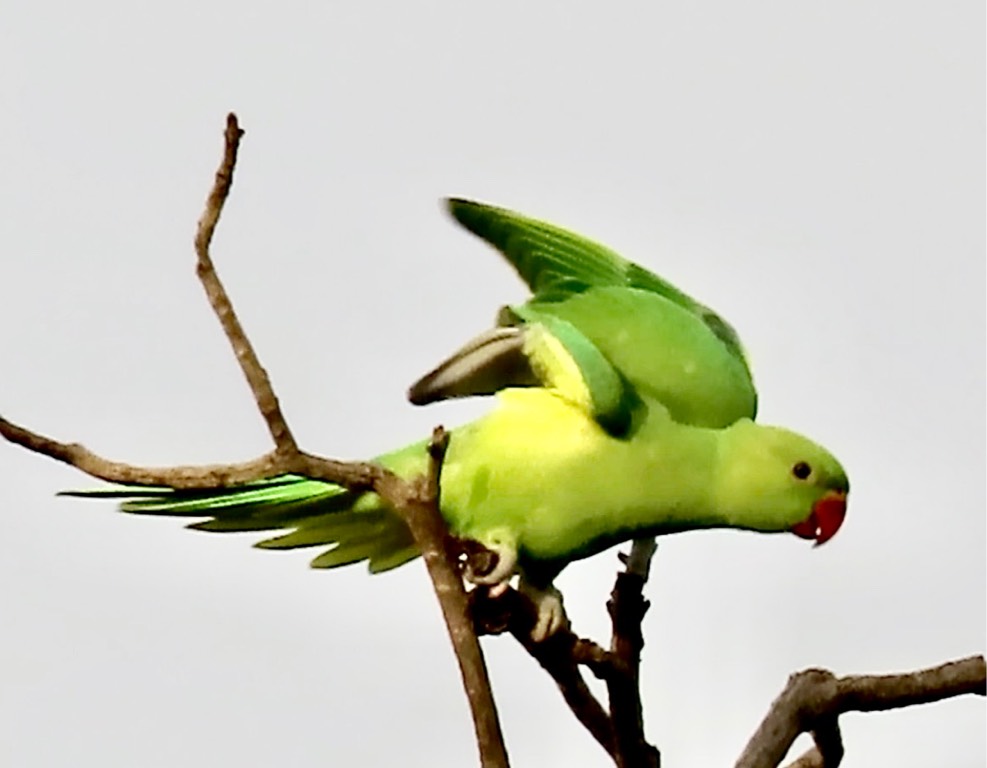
point(814, 699)
point(627, 607)
point(354, 475)
point(560, 655)
point(415, 501)
point(809, 759)
point(253, 371)
point(620, 730)
point(419, 503)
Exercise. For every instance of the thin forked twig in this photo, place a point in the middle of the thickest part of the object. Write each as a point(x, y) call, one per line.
point(253, 371)
point(416, 501)
point(354, 475)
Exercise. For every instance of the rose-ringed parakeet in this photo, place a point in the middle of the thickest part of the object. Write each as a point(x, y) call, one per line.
point(538, 481)
point(584, 454)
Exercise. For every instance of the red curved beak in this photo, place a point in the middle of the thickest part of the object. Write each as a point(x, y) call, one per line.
point(825, 520)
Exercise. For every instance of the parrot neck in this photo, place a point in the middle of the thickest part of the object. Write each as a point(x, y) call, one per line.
point(679, 469)
point(743, 490)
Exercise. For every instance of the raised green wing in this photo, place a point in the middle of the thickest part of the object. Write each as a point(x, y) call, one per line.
point(553, 260)
point(556, 263)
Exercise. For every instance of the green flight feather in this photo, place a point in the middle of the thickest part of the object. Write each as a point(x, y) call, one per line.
point(555, 263)
point(551, 259)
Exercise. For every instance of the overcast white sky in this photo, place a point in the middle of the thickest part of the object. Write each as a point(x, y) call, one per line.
point(814, 171)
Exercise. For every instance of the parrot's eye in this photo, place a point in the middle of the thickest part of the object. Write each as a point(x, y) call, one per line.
point(801, 470)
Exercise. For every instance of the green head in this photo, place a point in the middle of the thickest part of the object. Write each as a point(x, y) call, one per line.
point(771, 479)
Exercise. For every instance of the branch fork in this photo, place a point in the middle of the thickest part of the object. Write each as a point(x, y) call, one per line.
point(416, 501)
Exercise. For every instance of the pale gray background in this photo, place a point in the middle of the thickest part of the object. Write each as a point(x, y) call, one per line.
point(812, 170)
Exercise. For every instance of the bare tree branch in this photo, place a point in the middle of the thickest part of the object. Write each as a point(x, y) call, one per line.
point(813, 758)
point(638, 562)
point(419, 505)
point(620, 730)
point(814, 699)
point(257, 378)
point(627, 607)
point(416, 501)
point(357, 476)
point(809, 759)
point(559, 655)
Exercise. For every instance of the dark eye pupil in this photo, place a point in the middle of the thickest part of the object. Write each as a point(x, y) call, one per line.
point(801, 470)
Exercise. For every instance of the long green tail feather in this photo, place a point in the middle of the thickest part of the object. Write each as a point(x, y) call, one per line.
point(356, 526)
point(332, 526)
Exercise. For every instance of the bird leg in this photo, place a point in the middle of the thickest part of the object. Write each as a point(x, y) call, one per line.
point(548, 602)
point(490, 561)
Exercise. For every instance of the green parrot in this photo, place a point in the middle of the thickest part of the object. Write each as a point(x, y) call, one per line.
point(539, 482)
point(586, 446)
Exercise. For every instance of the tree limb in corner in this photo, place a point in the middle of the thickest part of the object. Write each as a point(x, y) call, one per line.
point(814, 699)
